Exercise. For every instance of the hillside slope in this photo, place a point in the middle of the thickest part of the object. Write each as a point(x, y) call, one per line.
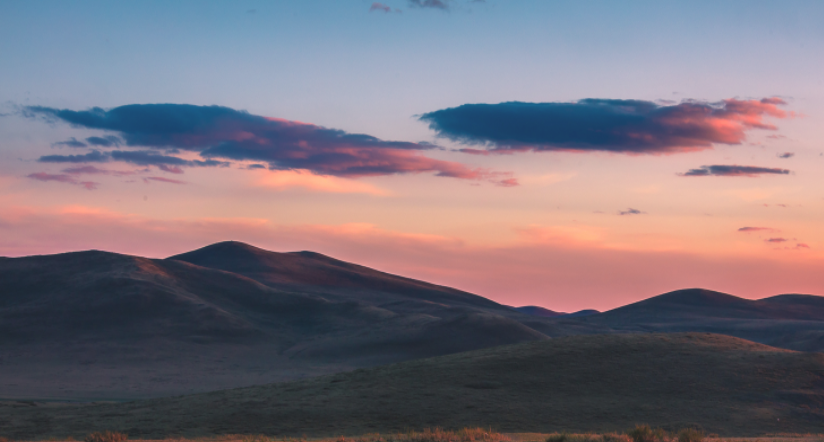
point(722, 384)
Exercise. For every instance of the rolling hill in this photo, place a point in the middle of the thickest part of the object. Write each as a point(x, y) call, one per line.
point(721, 384)
point(787, 321)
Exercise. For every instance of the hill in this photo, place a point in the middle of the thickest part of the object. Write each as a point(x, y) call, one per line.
point(316, 273)
point(787, 321)
point(722, 384)
point(534, 310)
point(99, 325)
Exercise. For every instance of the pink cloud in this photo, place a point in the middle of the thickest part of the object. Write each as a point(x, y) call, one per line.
point(288, 179)
point(379, 7)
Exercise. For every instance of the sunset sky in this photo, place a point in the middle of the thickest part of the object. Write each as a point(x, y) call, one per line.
point(564, 154)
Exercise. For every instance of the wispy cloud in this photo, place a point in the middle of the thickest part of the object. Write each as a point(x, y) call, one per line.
point(379, 7)
point(631, 211)
point(107, 141)
point(734, 170)
point(437, 4)
point(162, 180)
point(71, 142)
point(785, 155)
point(757, 229)
point(216, 132)
point(625, 126)
point(92, 170)
point(94, 156)
point(63, 178)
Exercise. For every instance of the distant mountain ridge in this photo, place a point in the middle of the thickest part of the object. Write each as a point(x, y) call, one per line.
point(534, 310)
point(788, 321)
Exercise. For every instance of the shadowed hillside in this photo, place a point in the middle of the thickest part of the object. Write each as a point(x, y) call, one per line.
point(584, 383)
point(787, 321)
point(99, 325)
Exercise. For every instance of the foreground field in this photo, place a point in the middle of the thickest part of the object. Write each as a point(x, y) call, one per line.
point(597, 383)
point(477, 435)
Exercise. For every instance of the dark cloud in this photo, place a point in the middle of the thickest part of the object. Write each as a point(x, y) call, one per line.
point(146, 158)
point(801, 245)
point(94, 156)
point(776, 240)
point(734, 170)
point(785, 155)
point(379, 7)
point(71, 142)
point(757, 229)
point(217, 132)
point(138, 157)
point(107, 141)
point(255, 166)
point(437, 4)
point(62, 178)
point(626, 126)
point(152, 158)
point(631, 211)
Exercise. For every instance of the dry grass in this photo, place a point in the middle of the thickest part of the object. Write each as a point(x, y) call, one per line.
point(721, 385)
point(452, 436)
point(106, 436)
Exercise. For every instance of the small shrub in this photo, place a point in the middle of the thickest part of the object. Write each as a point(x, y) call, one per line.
point(615, 437)
point(690, 435)
point(643, 433)
point(106, 436)
point(557, 437)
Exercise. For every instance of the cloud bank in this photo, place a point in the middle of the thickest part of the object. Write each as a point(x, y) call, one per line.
point(734, 170)
point(219, 133)
point(623, 126)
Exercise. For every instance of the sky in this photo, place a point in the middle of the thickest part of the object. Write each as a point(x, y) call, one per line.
point(570, 155)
